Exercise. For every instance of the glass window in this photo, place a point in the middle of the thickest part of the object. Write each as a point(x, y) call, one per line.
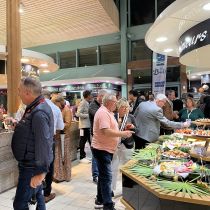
point(142, 12)
point(162, 4)
point(88, 57)
point(173, 74)
point(140, 51)
point(2, 66)
point(67, 59)
point(110, 53)
point(142, 76)
point(53, 56)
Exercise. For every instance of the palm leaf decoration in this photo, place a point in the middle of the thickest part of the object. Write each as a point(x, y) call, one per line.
point(153, 146)
point(184, 187)
point(141, 170)
point(145, 154)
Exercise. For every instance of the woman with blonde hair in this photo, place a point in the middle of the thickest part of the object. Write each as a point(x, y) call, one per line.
point(190, 112)
point(62, 163)
point(126, 121)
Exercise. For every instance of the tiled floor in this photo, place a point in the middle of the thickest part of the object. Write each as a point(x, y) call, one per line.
point(78, 194)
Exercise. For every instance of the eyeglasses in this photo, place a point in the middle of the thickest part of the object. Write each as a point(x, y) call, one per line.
point(114, 101)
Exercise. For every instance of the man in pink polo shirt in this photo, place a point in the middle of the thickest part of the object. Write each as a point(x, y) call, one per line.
point(104, 143)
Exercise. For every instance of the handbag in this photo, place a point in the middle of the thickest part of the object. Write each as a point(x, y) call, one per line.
point(128, 142)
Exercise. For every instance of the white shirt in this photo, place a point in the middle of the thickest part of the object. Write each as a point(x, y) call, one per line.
point(58, 118)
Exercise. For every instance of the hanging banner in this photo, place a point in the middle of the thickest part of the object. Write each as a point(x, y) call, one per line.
point(159, 68)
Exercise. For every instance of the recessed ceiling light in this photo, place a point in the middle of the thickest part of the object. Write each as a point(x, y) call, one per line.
point(46, 71)
point(43, 65)
point(206, 7)
point(168, 50)
point(188, 39)
point(24, 60)
point(161, 39)
point(21, 8)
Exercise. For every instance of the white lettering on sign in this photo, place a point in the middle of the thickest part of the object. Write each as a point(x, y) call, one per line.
point(199, 37)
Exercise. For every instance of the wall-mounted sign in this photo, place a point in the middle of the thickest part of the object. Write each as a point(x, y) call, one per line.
point(195, 37)
point(81, 87)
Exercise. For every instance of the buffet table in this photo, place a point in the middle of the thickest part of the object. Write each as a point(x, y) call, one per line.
point(163, 176)
point(140, 194)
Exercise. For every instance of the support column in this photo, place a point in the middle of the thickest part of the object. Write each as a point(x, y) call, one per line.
point(124, 45)
point(183, 79)
point(13, 48)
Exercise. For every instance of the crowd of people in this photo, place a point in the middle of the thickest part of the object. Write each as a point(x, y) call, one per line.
point(112, 127)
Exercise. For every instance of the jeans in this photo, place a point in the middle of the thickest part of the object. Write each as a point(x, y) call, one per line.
point(104, 191)
point(49, 176)
point(83, 140)
point(24, 192)
point(94, 168)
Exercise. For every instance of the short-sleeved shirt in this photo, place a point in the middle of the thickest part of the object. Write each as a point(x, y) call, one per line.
point(104, 119)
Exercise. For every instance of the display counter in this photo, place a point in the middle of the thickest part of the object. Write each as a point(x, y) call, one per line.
point(8, 165)
point(141, 193)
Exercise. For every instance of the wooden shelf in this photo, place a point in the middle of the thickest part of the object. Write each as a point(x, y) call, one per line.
point(146, 183)
point(205, 158)
point(126, 204)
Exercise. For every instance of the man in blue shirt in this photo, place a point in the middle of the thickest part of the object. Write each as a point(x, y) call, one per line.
point(58, 125)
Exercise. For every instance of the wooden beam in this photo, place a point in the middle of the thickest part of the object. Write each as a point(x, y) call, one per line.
point(13, 49)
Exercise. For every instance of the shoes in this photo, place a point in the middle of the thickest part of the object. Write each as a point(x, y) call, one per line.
point(98, 205)
point(49, 197)
point(95, 180)
point(84, 160)
point(109, 207)
point(112, 194)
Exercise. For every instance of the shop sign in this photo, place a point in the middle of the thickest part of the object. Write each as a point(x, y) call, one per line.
point(195, 37)
point(159, 73)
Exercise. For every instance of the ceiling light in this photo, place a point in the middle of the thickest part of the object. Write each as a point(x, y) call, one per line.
point(206, 7)
point(188, 39)
point(24, 60)
point(46, 71)
point(44, 65)
point(21, 8)
point(161, 39)
point(168, 50)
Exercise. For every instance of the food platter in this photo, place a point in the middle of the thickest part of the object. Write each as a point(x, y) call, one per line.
point(175, 154)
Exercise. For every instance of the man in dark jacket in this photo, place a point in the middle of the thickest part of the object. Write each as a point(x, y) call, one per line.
point(32, 144)
point(93, 108)
point(134, 99)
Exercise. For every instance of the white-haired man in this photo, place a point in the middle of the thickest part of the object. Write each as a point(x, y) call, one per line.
point(148, 116)
point(105, 141)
